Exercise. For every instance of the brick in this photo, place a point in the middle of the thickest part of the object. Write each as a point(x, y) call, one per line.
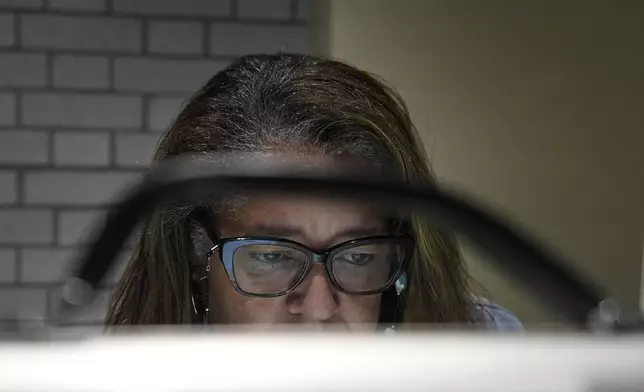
point(8, 189)
point(7, 37)
point(304, 10)
point(153, 75)
point(23, 304)
point(24, 147)
point(76, 188)
point(81, 33)
point(22, 70)
point(7, 109)
point(262, 9)
point(81, 110)
point(7, 265)
point(85, 149)
point(46, 265)
point(77, 227)
point(174, 7)
point(239, 39)
point(22, 3)
point(81, 72)
point(175, 37)
point(135, 150)
point(162, 111)
point(82, 5)
point(26, 226)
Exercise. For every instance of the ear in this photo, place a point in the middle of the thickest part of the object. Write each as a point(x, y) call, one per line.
point(202, 235)
point(201, 244)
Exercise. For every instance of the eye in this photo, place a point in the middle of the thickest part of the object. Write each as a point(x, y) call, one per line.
point(269, 257)
point(358, 258)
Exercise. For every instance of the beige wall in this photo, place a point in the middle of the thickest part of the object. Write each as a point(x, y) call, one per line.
point(536, 108)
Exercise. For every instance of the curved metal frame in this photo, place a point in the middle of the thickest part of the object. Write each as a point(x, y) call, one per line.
point(541, 273)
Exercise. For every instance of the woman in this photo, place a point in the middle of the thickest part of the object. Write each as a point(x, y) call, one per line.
point(190, 265)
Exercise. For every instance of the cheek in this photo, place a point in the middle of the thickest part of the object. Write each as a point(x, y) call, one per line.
point(360, 309)
point(227, 306)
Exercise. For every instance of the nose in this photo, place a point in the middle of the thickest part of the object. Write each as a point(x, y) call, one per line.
point(315, 300)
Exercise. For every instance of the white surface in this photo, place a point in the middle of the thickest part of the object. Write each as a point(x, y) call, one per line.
point(281, 362)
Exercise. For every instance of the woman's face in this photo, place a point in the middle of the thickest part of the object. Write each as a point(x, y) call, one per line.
point(315, 223)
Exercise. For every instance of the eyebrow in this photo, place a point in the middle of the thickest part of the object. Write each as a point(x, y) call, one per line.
point(293, 231)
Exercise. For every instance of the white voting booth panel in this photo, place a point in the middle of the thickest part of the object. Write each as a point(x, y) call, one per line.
point(307, 362)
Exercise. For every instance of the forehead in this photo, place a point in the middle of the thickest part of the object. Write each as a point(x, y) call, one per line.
point(316, 221)
point(313, 221)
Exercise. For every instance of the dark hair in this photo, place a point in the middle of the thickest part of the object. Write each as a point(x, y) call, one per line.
point(291, 102)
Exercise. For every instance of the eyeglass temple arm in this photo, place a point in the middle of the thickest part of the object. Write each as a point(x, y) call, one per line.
point(202, 217)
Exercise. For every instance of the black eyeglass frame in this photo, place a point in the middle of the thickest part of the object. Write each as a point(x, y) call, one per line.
point(313, 257)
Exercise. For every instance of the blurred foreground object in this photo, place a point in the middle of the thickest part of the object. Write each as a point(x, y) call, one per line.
point(329, 362)
point(201, 179)
point(191, 179)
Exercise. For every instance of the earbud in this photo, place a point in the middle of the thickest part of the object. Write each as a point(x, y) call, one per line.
point(401, 285)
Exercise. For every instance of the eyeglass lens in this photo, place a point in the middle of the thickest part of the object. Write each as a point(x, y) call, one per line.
point(272, 268)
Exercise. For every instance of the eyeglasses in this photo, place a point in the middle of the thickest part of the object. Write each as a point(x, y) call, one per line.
point(271, 267)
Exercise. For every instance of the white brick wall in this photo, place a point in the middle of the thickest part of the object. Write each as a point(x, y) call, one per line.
point(22, 3)
point(24, 147)
point(82, 148)
point(175, 8)
point(85, 5)
point(82, 33)
point(81, 110)
point(22, 69)
point(81, 72)
point(6, 30)
point(7, 108)
point(303, 12)
point(85, 88)
point(26, 226)
point(8, 186)
point(176, 37)
point(231, 39)
point(7, 265)
point(262, 9)
point(165, 76)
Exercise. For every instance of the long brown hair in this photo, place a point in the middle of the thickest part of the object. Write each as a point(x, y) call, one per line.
point(294, 101)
